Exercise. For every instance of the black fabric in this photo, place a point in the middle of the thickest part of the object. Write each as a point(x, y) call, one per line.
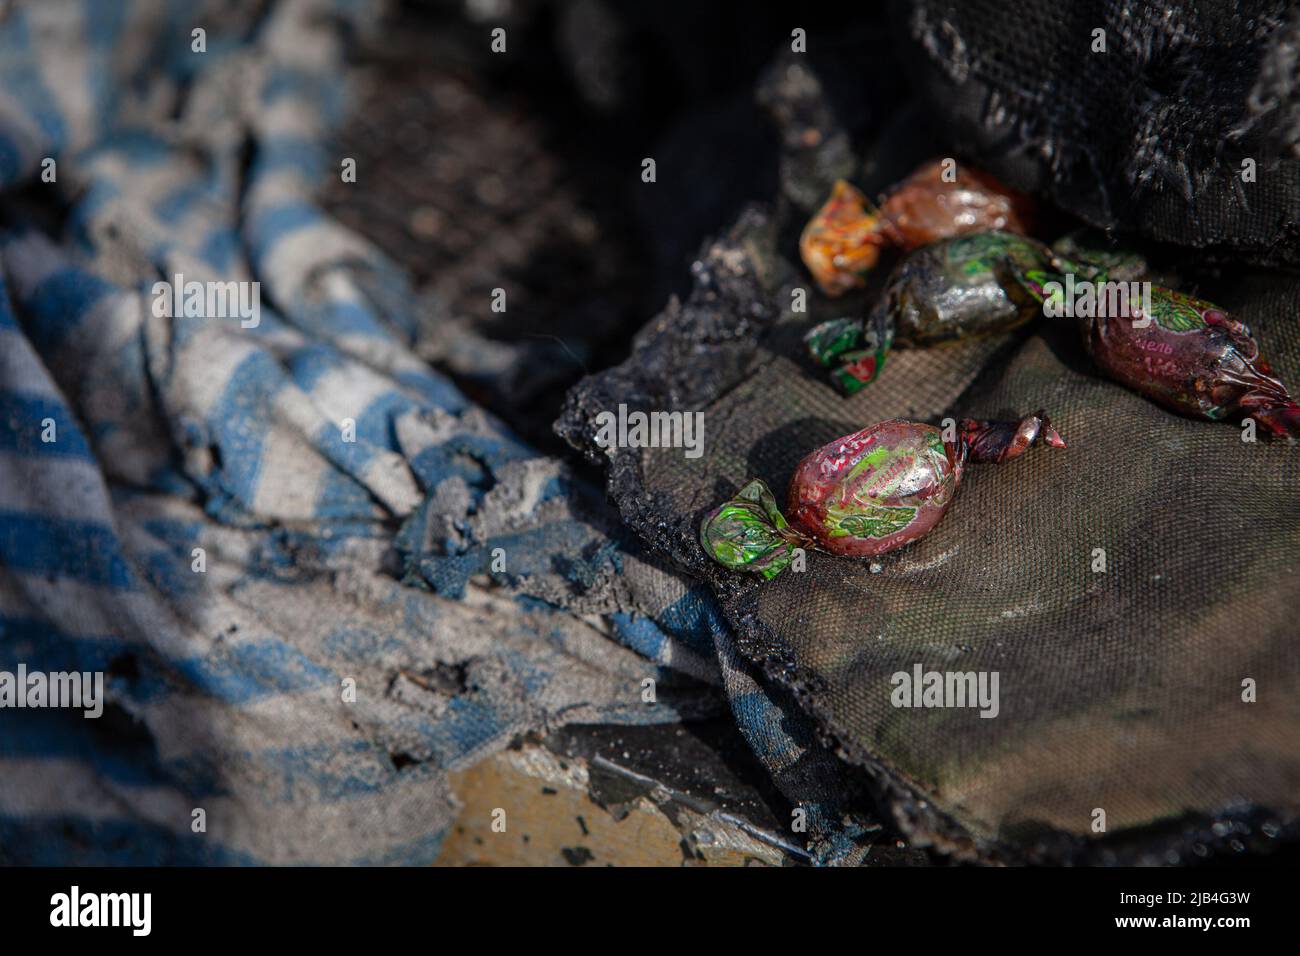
point(1149, 136)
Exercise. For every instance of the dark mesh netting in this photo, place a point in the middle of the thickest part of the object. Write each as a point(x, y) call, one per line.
point(1149, 135)
point(1120, 690)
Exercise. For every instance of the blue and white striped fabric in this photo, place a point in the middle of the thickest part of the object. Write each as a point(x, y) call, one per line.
point(469, 589)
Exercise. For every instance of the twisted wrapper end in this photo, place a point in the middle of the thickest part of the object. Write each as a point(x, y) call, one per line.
point(749, 533)
point(993, 442)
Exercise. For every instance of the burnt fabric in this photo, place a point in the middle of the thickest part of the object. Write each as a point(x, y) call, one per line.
point(1148, 134)
point(1129, 590)
point(1120, 689)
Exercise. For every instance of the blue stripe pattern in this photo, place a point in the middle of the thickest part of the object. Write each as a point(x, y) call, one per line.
point(280, 615)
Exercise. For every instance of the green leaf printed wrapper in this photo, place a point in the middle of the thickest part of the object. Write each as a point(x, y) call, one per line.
point(749, 533)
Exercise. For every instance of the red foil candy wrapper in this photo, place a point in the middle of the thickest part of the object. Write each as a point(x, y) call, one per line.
point(1194, 358)
point(1187, 354)
point(864, 494)
point(843, 241)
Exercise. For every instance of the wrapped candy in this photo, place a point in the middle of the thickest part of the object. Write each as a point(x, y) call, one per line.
point(1184, 353)
point(843, 240)
point(925, 208)
point(854, 350)
point(945, 291)
point(864, 494)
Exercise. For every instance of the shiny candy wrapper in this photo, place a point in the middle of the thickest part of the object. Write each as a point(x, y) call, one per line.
point(864, 494)
point(750, 532)
point(940, 293)
point(855, 351)
point(960, 287)
point(925, 208)
point(842, 242)
point(1184, 353)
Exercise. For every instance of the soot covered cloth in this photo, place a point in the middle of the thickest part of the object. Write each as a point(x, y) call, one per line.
point(1121, 690)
